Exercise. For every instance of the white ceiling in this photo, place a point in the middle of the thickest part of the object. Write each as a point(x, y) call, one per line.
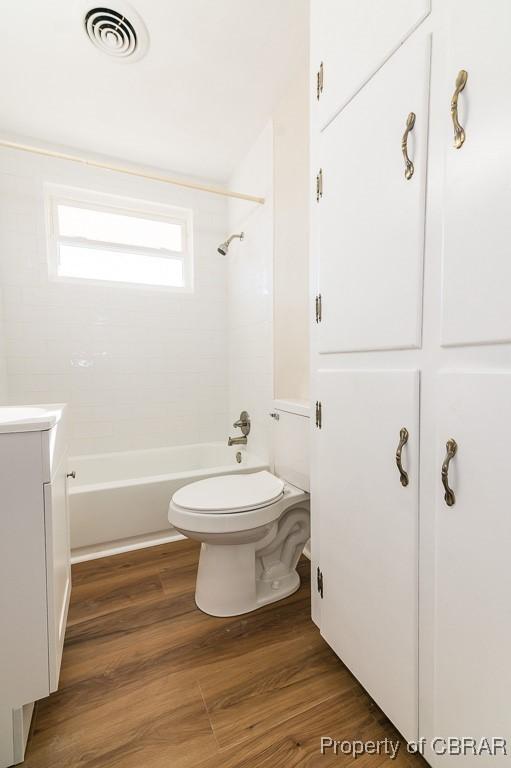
point(212, 74)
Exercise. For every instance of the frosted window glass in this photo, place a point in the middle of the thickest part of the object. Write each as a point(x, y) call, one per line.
point(95, 264)
point(118, 228)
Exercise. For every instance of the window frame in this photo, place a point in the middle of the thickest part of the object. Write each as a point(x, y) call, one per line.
point(56, 194)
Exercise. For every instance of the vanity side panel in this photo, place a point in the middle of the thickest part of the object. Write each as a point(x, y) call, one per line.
point(24, 628)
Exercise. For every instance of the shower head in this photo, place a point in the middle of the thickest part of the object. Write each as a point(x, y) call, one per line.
point(224, 247)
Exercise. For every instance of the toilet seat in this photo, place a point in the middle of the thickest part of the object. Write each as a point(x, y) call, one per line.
point(236, 519)
point(230, 494)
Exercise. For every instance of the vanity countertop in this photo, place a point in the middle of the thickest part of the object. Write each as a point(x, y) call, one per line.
point(29, 418)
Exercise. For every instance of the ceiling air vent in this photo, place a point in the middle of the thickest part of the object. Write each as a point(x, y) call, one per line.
point(119, 34)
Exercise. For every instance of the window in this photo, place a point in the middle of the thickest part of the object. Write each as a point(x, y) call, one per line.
point(109, 239)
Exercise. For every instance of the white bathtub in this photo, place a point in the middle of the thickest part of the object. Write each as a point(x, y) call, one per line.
point(119, 501)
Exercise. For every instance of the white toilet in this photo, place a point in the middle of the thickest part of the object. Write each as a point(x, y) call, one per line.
point(253, 527)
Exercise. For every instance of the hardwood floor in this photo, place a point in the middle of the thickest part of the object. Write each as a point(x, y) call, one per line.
point(148, 681)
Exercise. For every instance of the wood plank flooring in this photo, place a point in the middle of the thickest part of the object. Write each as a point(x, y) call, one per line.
point(148, 681)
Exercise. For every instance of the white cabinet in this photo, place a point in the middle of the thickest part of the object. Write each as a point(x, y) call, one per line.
point(472, 618)
point(34, 565)
point(357, 36)
point(372, 216)
point(477, 194)
point(369, 531)
point(394, 303)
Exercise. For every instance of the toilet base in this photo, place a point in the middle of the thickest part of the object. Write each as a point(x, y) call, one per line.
point(227, 584)
point(242, 570)
point(266, 592)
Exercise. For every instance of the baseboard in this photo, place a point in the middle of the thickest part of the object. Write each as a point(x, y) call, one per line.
point(105, 549)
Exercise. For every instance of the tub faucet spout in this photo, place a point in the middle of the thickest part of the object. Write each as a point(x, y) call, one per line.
point(237, 440)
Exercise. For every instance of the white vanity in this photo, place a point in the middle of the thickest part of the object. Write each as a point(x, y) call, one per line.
point(411, 360)
point(35, 573)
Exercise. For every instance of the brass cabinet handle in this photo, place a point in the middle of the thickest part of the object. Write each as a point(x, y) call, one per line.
point(403, 439)
point(459, 133)
point(451, 448)
point(409, 168)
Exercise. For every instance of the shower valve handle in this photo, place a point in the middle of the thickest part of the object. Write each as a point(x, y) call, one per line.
point(243, 423)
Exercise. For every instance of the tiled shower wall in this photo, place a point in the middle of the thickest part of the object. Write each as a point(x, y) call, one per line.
point(251, 296)
point(268, 271)
point(3, 366)
point(140, 367)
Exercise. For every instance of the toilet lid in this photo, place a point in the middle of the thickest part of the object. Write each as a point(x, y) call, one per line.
point(230, 493)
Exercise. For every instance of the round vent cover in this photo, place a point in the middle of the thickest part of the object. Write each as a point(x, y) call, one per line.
point(116, 33)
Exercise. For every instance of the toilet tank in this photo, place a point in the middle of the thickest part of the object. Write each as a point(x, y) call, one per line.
point(290, 441)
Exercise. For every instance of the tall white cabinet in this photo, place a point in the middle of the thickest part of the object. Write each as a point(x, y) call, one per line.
point(411, 354)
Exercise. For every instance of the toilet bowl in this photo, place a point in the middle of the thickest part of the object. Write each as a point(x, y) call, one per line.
point(253, 528)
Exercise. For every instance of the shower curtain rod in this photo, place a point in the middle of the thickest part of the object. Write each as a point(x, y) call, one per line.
point(131, 171)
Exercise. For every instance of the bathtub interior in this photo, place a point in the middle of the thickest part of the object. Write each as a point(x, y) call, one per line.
point(155, 462)
point(119, 501)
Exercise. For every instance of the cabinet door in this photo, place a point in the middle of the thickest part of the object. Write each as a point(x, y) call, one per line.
point(58, 566)
point(477, 202)
point(371, 216)
point(353, 38)
point(368, 532)
point(472, 635)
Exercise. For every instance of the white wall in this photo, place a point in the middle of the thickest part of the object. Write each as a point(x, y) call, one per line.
point(140, 367)
point(250, 291)
point(3, 365)
point(291, 269)
point(268, 272)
